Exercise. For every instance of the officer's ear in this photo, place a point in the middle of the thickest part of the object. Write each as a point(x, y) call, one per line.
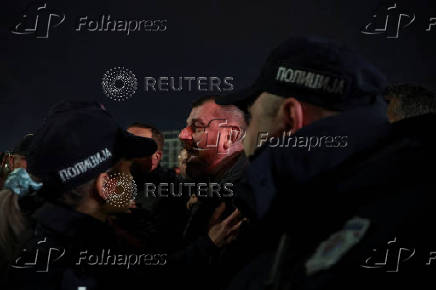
point(291, 114)
point(157, 155)
point(99, 185)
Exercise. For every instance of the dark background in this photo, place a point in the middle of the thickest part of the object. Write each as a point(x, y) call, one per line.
point(203, 38)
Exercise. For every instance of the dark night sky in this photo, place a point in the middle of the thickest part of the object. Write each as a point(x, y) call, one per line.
point(203, 38)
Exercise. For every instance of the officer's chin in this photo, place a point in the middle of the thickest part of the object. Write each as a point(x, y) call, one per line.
point(111, 209)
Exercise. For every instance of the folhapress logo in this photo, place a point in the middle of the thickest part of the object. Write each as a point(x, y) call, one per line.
point(38, 20)
point(390, 20)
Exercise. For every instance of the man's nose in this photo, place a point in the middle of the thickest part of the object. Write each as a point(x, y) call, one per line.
point(185, 134)
point(185, 137)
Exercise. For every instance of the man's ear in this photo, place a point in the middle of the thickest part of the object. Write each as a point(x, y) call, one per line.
point(291, 113)
point(233, 134)
point(157, 155)
point(99, 185)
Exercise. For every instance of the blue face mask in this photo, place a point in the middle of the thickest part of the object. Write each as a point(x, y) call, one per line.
point(19, 182)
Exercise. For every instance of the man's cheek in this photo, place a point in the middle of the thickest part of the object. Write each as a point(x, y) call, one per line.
point(145, 163)
point(222, 140)
point(215, 140)
point(208, 141)
point(198, 141)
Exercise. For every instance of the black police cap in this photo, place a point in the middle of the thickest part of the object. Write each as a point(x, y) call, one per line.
point(77, 142)
point(317, 71)
point(23, 147)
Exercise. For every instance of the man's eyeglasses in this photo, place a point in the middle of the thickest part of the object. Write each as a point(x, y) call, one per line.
point(199, 128)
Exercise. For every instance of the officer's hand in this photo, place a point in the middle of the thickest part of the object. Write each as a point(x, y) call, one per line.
point(223, 232)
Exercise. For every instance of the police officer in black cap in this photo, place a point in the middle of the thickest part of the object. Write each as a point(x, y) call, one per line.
point(330, 182)
point(77, 155)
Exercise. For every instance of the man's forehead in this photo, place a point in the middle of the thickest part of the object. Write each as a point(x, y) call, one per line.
point(204, 112)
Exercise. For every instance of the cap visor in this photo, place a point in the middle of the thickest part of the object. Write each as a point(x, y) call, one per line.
point(242, 99)
point(132, 146)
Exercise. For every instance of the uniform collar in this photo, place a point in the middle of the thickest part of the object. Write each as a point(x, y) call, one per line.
point(272, 168)
point(68, 222)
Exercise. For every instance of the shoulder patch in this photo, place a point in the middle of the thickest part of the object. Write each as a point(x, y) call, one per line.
point(329, 252)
